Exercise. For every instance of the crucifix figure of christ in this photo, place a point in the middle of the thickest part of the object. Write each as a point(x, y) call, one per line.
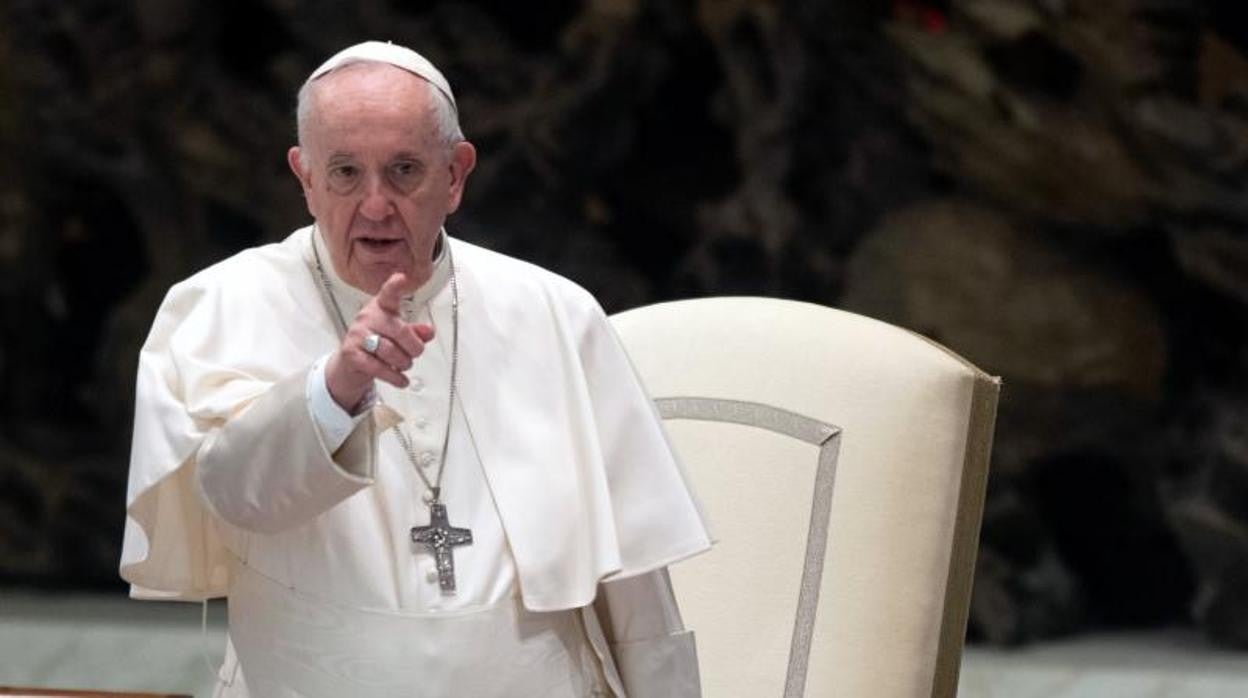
point(440, 537)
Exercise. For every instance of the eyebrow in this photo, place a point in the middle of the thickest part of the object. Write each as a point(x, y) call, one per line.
point(401, 155)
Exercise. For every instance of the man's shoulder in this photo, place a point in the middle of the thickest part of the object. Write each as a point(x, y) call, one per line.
point(247, 290)
point(249, 269)
point(515, 278)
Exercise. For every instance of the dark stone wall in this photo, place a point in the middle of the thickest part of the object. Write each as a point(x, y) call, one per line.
point(1053, 188)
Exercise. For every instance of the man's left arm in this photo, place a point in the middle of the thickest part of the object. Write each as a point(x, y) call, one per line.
point(654, 653)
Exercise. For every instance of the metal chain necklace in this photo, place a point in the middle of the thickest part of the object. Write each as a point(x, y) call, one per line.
point(439, 536)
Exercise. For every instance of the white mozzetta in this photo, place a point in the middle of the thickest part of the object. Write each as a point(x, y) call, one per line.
point(572, 444)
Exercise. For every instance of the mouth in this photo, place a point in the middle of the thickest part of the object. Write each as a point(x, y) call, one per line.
point(375, 244)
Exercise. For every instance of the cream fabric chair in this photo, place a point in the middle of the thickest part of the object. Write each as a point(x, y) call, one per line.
point(842, 463)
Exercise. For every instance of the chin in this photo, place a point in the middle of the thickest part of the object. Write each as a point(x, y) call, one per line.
point(370, 279)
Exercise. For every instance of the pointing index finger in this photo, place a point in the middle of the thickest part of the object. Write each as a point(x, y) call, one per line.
point(391, 292)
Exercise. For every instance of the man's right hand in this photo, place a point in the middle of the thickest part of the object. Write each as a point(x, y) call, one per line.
point(351, 370)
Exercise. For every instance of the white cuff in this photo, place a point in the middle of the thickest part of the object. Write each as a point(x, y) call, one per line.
point(334, 423)
point(665, 667)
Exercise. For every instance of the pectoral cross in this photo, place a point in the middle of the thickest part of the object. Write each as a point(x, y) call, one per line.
point(440, 537)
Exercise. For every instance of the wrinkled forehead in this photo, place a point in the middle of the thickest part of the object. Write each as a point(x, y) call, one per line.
point(370, 97)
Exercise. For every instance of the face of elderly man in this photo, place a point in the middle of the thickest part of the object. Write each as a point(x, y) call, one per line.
point(378, 175)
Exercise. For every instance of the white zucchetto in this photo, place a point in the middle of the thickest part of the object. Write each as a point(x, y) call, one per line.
point(398, 56)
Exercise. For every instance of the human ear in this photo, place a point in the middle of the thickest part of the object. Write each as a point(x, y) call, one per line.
point(294, 158)
point(463, 159)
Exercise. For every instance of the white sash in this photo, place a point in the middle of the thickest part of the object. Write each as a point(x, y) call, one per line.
point(295, 645)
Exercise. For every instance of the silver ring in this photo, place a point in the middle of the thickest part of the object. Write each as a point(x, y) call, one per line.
point(371, 343)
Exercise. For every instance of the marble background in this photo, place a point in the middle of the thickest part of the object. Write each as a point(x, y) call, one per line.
point(1053, 188)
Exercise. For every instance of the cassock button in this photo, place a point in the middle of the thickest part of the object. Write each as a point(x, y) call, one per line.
point(422, 423)
point(427, 458)
point(427, 496)
point(431, 575)
point(416, 385)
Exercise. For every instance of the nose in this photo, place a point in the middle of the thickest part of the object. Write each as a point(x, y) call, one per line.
point(376, 204)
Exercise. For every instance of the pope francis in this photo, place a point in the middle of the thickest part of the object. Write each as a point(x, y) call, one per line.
point(415, 467)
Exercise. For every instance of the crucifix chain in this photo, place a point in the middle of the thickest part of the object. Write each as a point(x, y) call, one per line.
point(439, 537)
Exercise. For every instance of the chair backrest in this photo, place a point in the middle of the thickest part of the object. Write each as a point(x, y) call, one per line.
point(842, 463)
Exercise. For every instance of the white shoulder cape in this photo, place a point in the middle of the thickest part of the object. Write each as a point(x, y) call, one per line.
point(585, 482)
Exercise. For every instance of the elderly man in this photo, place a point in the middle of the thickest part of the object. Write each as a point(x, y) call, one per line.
point(414, 466)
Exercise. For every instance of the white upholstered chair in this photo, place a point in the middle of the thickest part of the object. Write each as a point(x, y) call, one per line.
point(842, 463)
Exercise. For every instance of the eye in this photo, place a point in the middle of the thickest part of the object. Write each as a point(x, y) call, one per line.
point(343, 177)
point(405, 175)
point(343, 171)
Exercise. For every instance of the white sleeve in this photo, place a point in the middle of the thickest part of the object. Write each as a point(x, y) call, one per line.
point(334, 423)
point(268, 468)
point(654, 653)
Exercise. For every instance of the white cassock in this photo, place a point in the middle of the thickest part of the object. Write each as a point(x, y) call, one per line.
point(242, 486)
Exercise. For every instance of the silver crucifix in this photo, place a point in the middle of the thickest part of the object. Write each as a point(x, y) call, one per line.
point(440, 537)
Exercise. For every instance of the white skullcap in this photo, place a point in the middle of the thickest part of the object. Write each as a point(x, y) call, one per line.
point(398, 56)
